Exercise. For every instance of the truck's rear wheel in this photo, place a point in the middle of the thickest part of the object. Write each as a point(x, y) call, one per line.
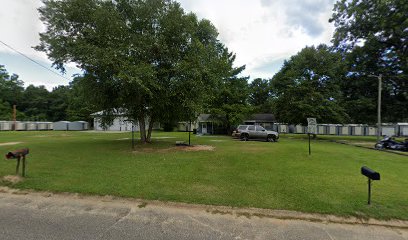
point(271, 138)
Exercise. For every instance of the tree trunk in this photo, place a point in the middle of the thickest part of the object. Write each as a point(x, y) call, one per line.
point(142, 126)
point(229, 132)
point(149, 131)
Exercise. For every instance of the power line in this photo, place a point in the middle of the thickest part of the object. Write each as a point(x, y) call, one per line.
point(32, 60)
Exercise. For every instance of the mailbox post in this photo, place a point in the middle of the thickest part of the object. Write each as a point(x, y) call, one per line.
point(18, 155)
point(371, 175)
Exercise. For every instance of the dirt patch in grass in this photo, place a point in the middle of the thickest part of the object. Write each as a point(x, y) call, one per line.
point(40, 136)
point(195, 148)
point(364, 144)
point(9, 143)
point(12, 179)
point(121, 139)
point(65, 135)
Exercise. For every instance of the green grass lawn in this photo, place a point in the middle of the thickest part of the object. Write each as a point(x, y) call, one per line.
point(243, 174)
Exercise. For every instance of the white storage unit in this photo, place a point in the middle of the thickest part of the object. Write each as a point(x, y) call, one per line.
point(345, 130)
point(356, 130)
point(402, 129)
point(332, 129)
point(50, 126)
point(42, 126)
point(6, 126)
point(371, 131)
point(85, 125)
point(21, 126)
point(61, 126)
point(78, 126)
point(32, 126)
point(388, 131)
point(299, 129)
point(359, 131)
point(321, 129)
point(283, 128)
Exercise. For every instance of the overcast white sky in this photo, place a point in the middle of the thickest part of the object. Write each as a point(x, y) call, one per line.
point(262, 33)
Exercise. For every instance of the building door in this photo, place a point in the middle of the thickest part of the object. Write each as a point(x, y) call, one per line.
point(204, 128)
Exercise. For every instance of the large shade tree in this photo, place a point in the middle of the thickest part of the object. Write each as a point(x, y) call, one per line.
point(373, 37)
point(308, 86)
point(228, 104)
point(147, 58)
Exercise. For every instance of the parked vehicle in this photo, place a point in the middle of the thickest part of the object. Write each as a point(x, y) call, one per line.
point(390, 143)
point(247, 132)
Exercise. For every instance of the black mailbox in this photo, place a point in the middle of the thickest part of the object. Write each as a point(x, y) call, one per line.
point(371, 174)
point(18, 155)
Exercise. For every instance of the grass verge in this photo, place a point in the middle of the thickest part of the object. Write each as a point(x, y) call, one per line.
point(233, 173)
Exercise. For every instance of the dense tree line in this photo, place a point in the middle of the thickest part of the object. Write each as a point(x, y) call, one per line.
point(36, 103)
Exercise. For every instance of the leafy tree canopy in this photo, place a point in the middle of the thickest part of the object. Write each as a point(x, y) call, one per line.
point(308, 86)
point(229, 103)
point(260, 93)
point(373, 37)
point(146, 56)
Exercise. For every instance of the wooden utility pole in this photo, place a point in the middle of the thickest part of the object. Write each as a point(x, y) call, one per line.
point(378, 105)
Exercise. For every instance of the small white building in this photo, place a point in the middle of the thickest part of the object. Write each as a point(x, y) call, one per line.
point(120, 123)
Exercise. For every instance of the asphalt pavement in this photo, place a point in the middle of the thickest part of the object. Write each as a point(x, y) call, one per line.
point(65, 216)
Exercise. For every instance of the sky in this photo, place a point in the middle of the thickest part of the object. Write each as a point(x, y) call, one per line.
point(262, 34)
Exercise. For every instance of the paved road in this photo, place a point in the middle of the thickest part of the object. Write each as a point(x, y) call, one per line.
point(35, 216)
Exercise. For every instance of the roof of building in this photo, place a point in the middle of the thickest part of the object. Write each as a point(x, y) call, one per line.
point(204, 118)
point(261, 117)
point(116, 112)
